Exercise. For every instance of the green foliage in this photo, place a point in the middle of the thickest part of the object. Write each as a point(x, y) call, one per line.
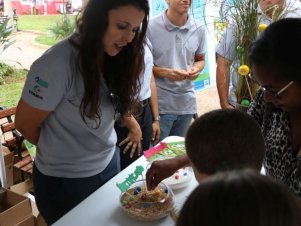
point(38, 23)
point(242, 16)
point(11, 85)
point(5, 71)
point(5, 32)
point(46, 40)
point(10, 94)
point(5, 42)
point(63, 28)
point(9, 74)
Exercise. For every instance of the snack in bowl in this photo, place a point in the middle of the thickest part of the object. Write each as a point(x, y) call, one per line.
point(140, 204)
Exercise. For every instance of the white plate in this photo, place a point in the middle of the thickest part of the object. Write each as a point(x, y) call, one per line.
point(180, 179)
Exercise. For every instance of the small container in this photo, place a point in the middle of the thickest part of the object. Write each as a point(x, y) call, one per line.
point(140, 204)
point(180, 179)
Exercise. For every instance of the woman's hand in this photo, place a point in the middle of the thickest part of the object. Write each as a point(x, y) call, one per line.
point(133, 140)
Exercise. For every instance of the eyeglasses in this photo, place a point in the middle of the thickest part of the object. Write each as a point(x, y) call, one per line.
point(270, 92)
point(277, 94)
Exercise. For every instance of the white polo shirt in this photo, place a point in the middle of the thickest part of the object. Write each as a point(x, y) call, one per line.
point(175, 47)
point(146, 75)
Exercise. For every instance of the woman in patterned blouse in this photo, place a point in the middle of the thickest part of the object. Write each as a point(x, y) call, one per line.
point(277, 105)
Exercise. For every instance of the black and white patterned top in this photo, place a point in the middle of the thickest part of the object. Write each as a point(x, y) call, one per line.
point(280, 161)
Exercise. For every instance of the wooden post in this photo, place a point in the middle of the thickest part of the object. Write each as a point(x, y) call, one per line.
point(3, 178)
point(8, 11)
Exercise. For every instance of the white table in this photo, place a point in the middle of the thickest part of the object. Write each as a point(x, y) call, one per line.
point(102, 208)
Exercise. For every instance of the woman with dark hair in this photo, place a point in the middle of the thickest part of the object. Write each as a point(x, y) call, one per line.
point(242, 198)
point(146, 114)
point(72, 97)
point(277, 106)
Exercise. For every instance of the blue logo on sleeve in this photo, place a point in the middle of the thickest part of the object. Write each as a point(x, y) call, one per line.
point(41, 82)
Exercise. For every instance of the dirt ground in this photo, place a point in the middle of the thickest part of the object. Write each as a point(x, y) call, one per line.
point(24, 51)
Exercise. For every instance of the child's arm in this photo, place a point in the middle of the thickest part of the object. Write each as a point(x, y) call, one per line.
point(162, 169)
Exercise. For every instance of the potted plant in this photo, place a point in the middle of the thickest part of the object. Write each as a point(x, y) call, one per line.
point(242, 16)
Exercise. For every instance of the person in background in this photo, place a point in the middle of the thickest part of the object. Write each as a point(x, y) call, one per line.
point(72, 96)
point(219, 140)
point(242, 198)
point(178, 48)
point(146, 112)
point(277, 106)
point(68, 6)
point(226, 72)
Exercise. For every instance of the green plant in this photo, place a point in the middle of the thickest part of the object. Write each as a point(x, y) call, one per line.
point(9, 74)
point(5, 42)
point(242, 16)
point(38, 23)
point(11, 85)
point(63, 28)
point(5, 71)
point(46, 40)
point(5, 32)
point(41, 24)
point(246, 19)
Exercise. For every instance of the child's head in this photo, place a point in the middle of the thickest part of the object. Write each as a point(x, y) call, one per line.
point(243, 198)
point(223, 140)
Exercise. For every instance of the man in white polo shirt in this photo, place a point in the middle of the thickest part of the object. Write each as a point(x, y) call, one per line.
point(178, 48)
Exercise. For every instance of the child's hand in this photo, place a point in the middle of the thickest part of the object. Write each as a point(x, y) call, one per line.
point(160, 170)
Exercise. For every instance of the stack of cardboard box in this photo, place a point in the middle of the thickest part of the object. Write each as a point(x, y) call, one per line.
point(17, 204)
point(15, 209)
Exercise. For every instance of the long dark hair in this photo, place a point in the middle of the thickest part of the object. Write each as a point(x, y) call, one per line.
point(240, 198)
point(121, 71)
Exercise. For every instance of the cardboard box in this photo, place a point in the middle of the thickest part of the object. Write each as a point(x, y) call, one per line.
point(9, 163)
point(40, 221)
point(30, 221)
point(14, 208)
point(5, 149)
point(25, 188)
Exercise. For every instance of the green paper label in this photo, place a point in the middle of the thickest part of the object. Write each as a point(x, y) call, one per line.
point(132, 178)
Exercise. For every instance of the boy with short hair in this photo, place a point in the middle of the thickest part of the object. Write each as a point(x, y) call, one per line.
point(219, 140)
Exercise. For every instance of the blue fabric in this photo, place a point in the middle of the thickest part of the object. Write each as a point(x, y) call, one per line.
point(174, 125)
point(55, 196)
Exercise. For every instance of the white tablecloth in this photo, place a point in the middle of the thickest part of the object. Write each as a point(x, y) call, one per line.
point(102, 207)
